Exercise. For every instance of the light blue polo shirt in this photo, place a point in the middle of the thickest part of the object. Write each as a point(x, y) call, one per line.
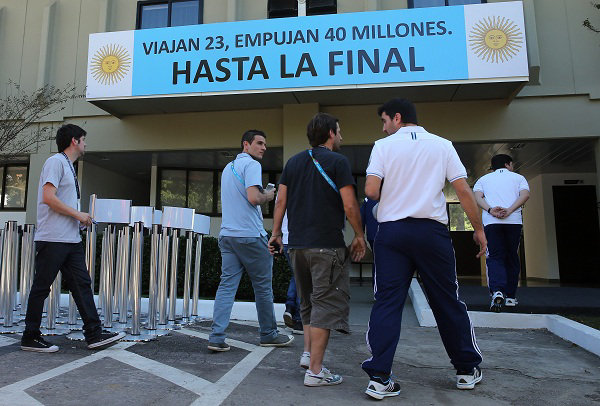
point(240, 217)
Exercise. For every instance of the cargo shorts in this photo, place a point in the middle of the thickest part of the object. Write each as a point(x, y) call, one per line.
point(323, 283)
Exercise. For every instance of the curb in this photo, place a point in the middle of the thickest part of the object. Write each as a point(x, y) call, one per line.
point(577, 333)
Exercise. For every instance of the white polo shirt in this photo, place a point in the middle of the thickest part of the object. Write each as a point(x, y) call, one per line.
point(414, 166)
point(501, 188)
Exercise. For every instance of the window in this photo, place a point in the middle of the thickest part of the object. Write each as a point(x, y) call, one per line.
point(169, 13)
point(441, 3)
point(289, 8)
point(14, 187)
point(200, 189)
point(458, 220)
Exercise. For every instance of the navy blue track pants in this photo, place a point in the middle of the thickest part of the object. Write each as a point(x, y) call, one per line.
point(502, 257)
point(401, 247)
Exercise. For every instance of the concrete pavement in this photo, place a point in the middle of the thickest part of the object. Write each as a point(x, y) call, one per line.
point(520, 367)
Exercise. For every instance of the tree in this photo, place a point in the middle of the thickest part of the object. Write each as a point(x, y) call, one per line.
point(587, 24)
point(21, 114)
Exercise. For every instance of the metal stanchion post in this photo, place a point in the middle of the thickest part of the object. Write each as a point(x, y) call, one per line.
point(123, 275)
point(185, 314)
point(7, 283)
point(53, 300)
point(172, 319)
point(137, 244)
point(196, 292)
point(153, 285)
point(107, 302)
point(27, 265)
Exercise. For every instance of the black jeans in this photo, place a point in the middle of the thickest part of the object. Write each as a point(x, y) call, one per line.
point(69, 258)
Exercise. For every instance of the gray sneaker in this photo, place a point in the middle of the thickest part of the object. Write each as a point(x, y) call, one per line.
point(218, 347)
point(281, 340)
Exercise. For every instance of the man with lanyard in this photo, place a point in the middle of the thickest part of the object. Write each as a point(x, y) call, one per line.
point(243, 244)
point(406, 173)
point(58, 245)
point(501, 194)
point(317, 189)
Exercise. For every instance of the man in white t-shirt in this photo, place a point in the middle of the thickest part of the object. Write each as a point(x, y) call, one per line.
point(501, 194)
point(406, 173)
point(58, 245)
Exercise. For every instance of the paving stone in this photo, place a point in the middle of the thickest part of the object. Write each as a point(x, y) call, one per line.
point(190, 354)
point(109, 382)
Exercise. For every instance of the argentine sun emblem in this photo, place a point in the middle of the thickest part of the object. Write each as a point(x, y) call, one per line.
point(495, 39)
point(110, 64)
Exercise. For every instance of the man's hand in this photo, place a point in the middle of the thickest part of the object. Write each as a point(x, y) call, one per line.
point(498, 212)
point(358, 248)
point(84, 218)
point(275, 245)
point(269, 194)
point(479, 238)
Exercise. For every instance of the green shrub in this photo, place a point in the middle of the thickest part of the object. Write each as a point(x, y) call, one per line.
point(210, 270)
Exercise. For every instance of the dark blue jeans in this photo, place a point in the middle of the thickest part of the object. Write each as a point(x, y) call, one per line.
point(292, 301)
point(69, 258)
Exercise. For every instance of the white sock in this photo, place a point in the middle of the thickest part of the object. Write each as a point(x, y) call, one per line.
point(306, 353)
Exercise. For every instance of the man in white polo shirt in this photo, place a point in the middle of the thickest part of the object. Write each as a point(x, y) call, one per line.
point(406, 173)
point(501, 194)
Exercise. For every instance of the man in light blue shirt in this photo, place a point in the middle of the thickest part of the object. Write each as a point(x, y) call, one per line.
point(243, 244)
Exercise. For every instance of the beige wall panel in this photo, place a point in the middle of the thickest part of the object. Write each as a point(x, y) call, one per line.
point(556, 72)
point(122, 15)
point(392, 4)
point(179, 131)
point(528, 118)
point(251, 9)
point(31, 41)
point(92, 11)
point(350, 6)
point(295, 119)
point(36, 163)
point(585, 48)
point(215, 11)
point(12, 23)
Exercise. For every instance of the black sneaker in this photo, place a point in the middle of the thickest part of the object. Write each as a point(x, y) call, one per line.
point(219, 347)
point(379, 388)
point(468, 379)
point(298, 328)
point(281, 340)
point(37, 344)
point(105, 338)
point(287, 317)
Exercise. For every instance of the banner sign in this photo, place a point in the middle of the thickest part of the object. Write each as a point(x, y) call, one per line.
point(472, 42)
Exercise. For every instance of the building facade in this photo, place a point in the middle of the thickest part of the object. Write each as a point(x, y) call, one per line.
point(163, 146)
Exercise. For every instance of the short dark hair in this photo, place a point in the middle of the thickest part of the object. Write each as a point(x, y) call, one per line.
point(500, 161)
point(66, 133)
point(318, 128)
point(249, 136)
point(403, 106)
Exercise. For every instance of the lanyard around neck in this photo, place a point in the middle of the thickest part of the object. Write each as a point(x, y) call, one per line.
point(322, 171)
point(74, 176)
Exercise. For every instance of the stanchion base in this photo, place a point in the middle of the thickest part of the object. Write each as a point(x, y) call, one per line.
point(198, 319)
point(169, 326)
point(157, 332)
point(59, 331)
point(11, 329)
point(76, 336)
point(75, 327)
point(138, 338)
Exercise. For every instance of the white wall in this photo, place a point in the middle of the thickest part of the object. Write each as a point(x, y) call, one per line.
point(18, 216)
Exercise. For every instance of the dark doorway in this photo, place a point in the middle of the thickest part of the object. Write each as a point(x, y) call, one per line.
point(577, 234)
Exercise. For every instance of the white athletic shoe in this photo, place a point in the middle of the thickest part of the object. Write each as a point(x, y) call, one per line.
point(323, 378)
point(510, 302)
point(379, 390)
point(468, 380)
point(305, 360)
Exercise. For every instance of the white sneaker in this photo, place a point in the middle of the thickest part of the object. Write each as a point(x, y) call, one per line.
point(323, 378)
point(378, 390)
point(305, 360)
point(468, 381)
point(510, 302)
point(497, 302)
